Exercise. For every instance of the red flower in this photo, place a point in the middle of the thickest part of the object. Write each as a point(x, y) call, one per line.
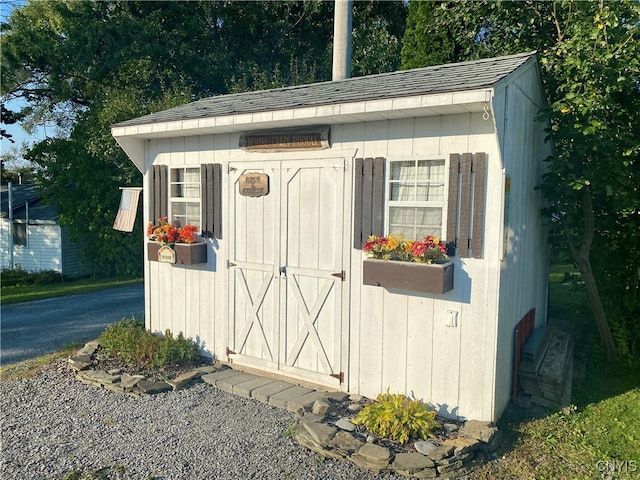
point(418, 249)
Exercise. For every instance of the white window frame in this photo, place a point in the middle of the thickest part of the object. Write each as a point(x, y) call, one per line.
point(176, 195)
point(389, 203)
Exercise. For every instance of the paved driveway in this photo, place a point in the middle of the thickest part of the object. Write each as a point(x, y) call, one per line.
point(31, 329)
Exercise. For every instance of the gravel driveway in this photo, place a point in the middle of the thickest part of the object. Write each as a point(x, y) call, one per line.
point(53, 426)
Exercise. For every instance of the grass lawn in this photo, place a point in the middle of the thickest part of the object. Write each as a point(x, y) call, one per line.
point(27, 293)
point(598, 436)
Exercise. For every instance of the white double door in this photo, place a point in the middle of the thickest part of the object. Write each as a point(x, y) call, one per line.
point(286, 275)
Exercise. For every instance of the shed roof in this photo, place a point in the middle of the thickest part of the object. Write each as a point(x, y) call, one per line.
point(455, 77)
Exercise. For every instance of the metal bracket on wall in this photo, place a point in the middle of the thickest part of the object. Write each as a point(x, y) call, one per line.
point(341, 275)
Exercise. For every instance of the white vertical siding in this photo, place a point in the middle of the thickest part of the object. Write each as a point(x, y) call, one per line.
point(524, 270)
point(187, 299)
point(42, 252)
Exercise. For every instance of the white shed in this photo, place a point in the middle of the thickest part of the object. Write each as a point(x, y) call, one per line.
point(285, 186)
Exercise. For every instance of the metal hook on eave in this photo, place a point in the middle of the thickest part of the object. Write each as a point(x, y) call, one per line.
point(486, 115)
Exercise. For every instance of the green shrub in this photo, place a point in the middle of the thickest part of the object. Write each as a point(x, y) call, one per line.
point(136, 347)
point(397, 417)
point(18, 277)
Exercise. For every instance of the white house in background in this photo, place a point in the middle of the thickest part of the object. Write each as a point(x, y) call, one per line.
point(287, 184)
point(31, 238)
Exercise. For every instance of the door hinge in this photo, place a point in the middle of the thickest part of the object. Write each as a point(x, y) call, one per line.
point(230, 352)
point(231, 169)
point(231, 264)
point(339, 376)
point(341, 275)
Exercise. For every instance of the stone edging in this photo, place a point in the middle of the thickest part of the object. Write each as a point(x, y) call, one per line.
point(135, 385)
point(455, 457)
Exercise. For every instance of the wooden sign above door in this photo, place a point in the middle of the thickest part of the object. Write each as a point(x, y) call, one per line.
point(286, 140)
point(253, 184)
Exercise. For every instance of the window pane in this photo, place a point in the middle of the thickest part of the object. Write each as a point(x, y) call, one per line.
point(422, 232)
point(402, 220)
point(191, 191)
point(403, 170)
point(177, 175)
point(193, 212)
point(429, 216)
point(192, 175)
point(430, 170)
point(402, 191)
point(430, 193)
point(179, 209)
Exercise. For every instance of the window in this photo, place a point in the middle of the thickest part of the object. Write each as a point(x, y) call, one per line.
point(20, 234)
point(416, 197)
point(185, 196)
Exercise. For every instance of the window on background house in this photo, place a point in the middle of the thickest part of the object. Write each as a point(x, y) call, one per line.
point(20, 234)
point(416, 197)
point(185, 196)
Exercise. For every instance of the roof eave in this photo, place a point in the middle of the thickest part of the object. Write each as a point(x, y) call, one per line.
point(373, 110)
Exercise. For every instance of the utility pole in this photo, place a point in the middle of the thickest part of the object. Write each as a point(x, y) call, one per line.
point(10, 239)
point(342, 20)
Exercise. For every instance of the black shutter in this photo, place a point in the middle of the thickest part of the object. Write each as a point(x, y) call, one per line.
point(368, 198)
point(159, 195)
point(211, 201)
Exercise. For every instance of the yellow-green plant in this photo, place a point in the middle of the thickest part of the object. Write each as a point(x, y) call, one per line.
point(397, 417)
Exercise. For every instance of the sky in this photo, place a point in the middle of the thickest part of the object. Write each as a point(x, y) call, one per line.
point(19, 135)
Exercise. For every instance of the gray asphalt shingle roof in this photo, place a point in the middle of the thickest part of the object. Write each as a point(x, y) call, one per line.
point(23, 194)
point(422, 81)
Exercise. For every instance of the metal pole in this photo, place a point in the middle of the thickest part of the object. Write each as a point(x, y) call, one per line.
point(10, 239)
point(342, 21)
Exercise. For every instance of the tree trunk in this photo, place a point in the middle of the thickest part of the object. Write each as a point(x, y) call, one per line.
point(584, 265)
point(581, 256)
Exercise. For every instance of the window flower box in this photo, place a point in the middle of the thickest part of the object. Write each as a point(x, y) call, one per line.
point(184, 253)
point(416, 277)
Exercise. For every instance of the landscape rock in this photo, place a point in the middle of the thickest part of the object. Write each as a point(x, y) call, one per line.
point(375, 453)
point(128, 382)
point(483, 431)
point(89, 348)
point(320, 407)
point(153, 387)
point(410, 463)
point(441, 452)
point(184, 379)
point(346, 443)
point(78, 364)
point(346, 425)
point(450, 427)
point(462, 444)
point(321, 433)
point(425, 447)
